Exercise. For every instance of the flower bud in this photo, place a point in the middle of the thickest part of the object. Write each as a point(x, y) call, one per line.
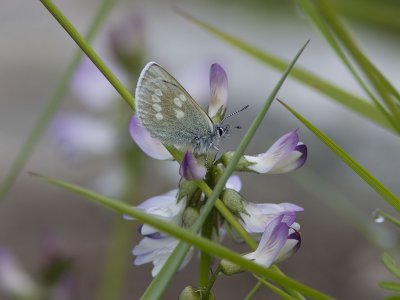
point(186, 189)
point(229, 268)
point(233, 201)
point(190, 215)
point(188, 293)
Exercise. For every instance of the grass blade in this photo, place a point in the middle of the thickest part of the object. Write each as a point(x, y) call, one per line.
point(350, 101)
point(187, 236)
point(374, 183)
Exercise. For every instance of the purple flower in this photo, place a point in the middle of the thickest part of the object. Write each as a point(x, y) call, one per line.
point(14, 281)
point(257, 216)
point(91, 87)
point(278, 242)
point(219, 90)
point(191, 169)
point(149, 145)
point(285, 155)
point(157, 252)
point(128, 42)
point(79, 134)
point(156, 246)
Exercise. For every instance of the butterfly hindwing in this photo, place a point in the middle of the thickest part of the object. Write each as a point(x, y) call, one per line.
point(167, 110)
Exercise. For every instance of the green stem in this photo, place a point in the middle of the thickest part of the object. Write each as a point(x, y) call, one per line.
point(205, 258)
point(84, 45)
point(54, 103)
point(253, 291)
point(274, 288)
point(211, 283)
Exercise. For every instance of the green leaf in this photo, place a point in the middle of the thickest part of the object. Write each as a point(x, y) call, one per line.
point(374, 183)
point(161, 282)
point(350, 101)
point(389, 285)
point(319, 22)
point(393, 297)
point(382, 86)
point(186, 236)
point(391, 265)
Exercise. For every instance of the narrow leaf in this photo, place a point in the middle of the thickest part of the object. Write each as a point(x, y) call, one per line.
point(374, 183)
point(390, 285)
point(187, 236)
point(391, 265)
point(350, 101)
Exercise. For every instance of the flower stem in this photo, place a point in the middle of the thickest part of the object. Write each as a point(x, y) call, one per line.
point(253, 291)
point(52, 106)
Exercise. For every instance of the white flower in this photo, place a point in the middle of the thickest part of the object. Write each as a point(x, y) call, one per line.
point(285, 155)
point(156, 246)
point(257, 216)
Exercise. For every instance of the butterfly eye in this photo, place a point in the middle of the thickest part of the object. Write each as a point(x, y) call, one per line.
point(220, 131)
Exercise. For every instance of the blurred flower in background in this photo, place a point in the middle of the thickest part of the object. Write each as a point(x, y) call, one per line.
point(55, 278)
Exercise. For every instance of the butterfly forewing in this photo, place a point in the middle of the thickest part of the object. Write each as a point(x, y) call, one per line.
point(167, 110)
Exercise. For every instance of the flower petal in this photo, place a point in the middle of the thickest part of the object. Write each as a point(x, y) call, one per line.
point(191, 169)
point(271, 243)
point(149, 145)
point(92, 88)
point(257, 216)
point(219, 90)
point(285, 155)
point(79, 134)
point(234, 183)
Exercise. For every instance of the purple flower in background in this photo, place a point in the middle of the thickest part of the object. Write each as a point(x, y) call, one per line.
point(285, 155)
point(91, 87)
point(81, 134)
point(277, 243)
point(191, 169)
point(15, 281)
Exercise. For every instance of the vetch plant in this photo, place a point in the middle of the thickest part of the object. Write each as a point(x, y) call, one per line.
point(201, 196)
point(168, 114)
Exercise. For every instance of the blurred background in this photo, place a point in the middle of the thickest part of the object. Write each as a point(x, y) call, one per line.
point(341, 244)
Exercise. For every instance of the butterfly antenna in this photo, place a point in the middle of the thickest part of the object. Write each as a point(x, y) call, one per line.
point(234, 113)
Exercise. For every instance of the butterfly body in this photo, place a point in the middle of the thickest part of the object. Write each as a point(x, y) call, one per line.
point(171, 115)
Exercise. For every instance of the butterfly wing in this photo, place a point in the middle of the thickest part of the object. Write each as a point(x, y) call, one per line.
point(167, 110)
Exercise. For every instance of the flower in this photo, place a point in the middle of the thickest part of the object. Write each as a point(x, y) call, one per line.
point(285, 155)
point(219, 91)
point(81, 134)
point(13, 279)
point(257, 216)
point(157, 251)
point(91, 87)
point(190, 168)
point(277, 243)
point(149, 145)
point(156, 246)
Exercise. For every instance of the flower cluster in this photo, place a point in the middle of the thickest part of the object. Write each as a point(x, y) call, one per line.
point(273, 225)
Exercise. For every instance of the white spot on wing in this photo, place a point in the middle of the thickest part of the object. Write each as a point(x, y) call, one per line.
point(178, 102)
point(155, 98)
point(179, 114)
point(159, 116)
point(158, 92)
point(157, 107)
point(183, 98)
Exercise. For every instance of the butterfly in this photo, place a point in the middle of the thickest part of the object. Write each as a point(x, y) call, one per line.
point(171, 115)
